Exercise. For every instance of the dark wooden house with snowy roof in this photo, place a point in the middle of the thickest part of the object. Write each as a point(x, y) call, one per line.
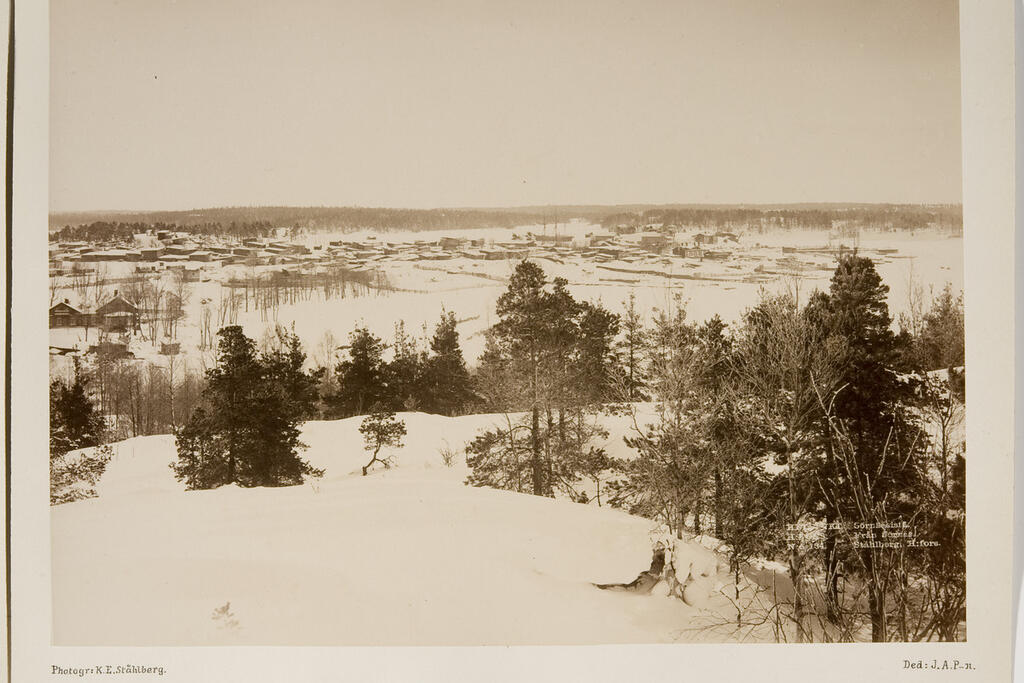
point(63, 314)
point(118, 315)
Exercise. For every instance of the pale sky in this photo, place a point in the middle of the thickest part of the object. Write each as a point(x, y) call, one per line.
point(163, 104)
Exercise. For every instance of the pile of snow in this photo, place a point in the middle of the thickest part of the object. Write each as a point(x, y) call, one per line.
point(405, 556)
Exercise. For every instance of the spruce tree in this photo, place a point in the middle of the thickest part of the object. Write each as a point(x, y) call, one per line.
point(596, 358)
point(402, 376)
point(871, 429)
point(283, 366)
point(75, 423)
point(446, 383)
point(940, 345)
point(632, 350)
point(74, 420)
point(247, 430)
point(361, 376)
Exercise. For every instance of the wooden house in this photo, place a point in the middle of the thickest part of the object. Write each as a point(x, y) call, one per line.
point(63, 314)
point(118, 314)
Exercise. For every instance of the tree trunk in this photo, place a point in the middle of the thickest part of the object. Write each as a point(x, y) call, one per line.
point(831, 560)
point(718, 502)
point(549, 489)
point(831, 557)
point(696, 516)
point(876, 600)
point(538, 472)
point(796, 578)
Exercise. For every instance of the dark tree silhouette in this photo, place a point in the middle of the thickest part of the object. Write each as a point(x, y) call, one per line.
point(247, 430)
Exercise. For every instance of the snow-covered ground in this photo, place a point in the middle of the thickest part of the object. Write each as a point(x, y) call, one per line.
point(471, 288)
point(406, 556)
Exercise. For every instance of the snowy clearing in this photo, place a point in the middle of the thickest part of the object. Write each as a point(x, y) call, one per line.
point(407, 556)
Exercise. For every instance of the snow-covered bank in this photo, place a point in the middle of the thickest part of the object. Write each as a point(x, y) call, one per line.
point(408, 556)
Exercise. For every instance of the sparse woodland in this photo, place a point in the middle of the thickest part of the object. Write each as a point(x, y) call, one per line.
point(809, 433)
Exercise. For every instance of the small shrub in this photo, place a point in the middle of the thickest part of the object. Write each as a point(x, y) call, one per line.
point(73, 478)
point(448, 455)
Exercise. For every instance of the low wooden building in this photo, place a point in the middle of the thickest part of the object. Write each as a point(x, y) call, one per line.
point(63, 314)
point(653, 242)
point(111, 349)
point(118, 314)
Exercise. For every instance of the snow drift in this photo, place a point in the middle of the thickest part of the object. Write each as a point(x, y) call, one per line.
point(407, 556)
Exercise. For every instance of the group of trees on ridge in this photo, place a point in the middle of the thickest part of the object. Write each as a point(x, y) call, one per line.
point(245, 430)
point(428, 377)
point(808, 432)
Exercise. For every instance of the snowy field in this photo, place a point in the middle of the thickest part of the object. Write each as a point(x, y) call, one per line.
point(406, 556)
point(471, 288)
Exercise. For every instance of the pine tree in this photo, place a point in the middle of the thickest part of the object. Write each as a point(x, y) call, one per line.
point(940, 345)
point(523, 332)
point(874, 394)
point(283, 366)
point(870, 427)
point(551, 356)
point(493, 383)
point(381, 430)
point(446, 383)
point(74, 420)
point(75, 423)
point(247, 431)
point(596, 359)
point(402, 376)
point(361, 376)
point(669, 475)
point(632, 350)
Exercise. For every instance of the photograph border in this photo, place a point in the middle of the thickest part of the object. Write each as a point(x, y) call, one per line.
point(987, 67)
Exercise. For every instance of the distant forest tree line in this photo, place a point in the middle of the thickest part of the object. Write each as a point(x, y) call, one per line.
point(119, 231)
point(248, 222)
point(892, 217)
point(244, 223)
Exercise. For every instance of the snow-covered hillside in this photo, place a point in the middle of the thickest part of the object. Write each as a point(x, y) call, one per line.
point(401, 557)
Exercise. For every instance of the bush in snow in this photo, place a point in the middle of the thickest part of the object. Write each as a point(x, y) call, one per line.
point(381, 430)
point(74, 423)
point(72, 476)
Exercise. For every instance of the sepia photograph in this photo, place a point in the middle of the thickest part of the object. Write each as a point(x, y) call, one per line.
point(543, 330)
point(391, 324)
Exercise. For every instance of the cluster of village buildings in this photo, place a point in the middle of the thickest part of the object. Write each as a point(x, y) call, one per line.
point(195, 257)
point(165, 250)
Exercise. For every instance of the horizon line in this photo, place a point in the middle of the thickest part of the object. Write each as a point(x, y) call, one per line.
point(577, 205)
